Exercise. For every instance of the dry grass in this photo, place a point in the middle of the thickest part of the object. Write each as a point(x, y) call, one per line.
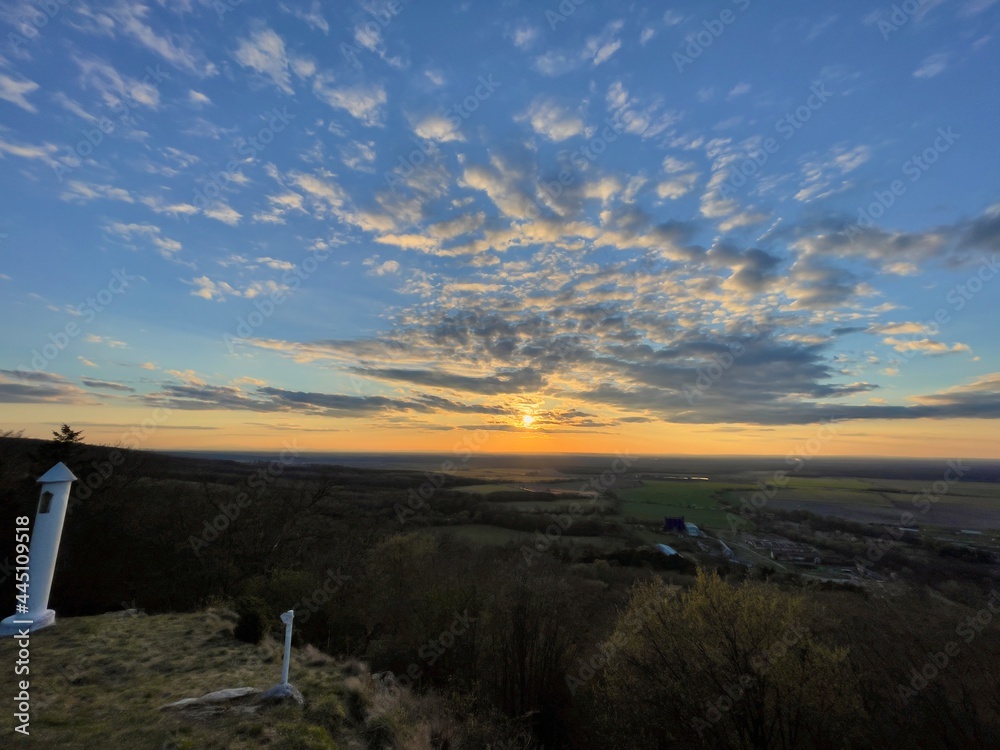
point(100, 682)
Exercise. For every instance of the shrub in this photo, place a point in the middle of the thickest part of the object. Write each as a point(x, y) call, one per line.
point(380, 733)
point(355, 700)
point(253, 619)
point(328, 712)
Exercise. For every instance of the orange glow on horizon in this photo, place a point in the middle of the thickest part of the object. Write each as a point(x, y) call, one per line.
point(235, 431)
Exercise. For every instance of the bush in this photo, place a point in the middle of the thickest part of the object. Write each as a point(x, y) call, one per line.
point(329, 713)
point(356, 701)
point(380, 733)
point(254, 619)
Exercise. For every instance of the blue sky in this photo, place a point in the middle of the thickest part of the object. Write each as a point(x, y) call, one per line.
point(574, 226)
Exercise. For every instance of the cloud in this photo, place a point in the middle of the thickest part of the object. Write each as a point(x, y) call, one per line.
point(33, 376)
point(754, 270)
point(932, 66)
point(961, 244)
point(119, 92)
point(17, 387)
point(673, 165)
point(313, 16)
point(166, 246)
point(107, 385)
point(677, 186)
point(645, 120)
point(596, 50)
point(42, 153)
point(198, 99)
point(524, 36)
point(280, 205)
point(382, 269)
point(507, 381)
point(359, 155)
point(201, 396)
point(738, 90)
point(224, 213)
point(158, 205)
point(820, 175)
point(264, 53)
point(189, 377)
point(80, 192)
point(325, 195)
point(672, 18)
point(551, 121)
point(276, 264)
point(130, 18)
point(898, 329)
point(365, 103)
point(210, 289)
point(600, 48)
point(815, 283)
point(15, 91)
point(924, 346)
point(92, 338)
point(437, 128)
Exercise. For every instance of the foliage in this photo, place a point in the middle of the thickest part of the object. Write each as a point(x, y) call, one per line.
point(67, 434)
point(722, 667)
point(254, 619)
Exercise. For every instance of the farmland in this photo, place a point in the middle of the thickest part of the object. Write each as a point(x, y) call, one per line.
point(697, 501)
point(973, 505)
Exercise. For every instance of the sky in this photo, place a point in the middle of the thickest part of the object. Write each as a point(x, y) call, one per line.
point(728, 227)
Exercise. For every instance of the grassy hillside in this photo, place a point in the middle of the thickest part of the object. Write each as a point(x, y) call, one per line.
point(101, 681)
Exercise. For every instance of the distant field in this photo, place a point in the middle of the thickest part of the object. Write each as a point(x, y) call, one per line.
point(693, 500)
point(848, 497)
point(548, 506)
point(839, 483)
point(509, 475)
point(485, 489)
point(964, 490)
point(573, 485)
point(485, 535)
point(964, 505)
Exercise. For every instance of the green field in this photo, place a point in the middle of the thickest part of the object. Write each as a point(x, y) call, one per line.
point(964, 490)
point(482, 534)
point(830, 483)
point(548, 506)
point(485, 489)
point(875, 494)
point(845, 497)
point(694, 500)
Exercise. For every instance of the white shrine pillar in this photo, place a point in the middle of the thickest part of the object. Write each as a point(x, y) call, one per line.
point(284, 690)
point(287, 617)
point(44, 549)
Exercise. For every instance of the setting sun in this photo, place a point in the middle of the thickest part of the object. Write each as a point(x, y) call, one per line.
point(527, 420)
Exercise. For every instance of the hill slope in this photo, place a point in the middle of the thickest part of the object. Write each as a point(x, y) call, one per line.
point(101, 682)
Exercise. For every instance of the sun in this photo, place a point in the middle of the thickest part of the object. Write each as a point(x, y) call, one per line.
point(527, 420)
